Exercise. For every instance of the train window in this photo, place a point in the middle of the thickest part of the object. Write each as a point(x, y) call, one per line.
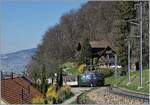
point(86, 77)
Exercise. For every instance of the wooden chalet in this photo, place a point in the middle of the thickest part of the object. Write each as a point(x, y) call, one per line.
point(101, 50)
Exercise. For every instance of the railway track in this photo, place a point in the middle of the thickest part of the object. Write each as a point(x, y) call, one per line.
point(109, 95)
point(126, 93)
point(114, 95)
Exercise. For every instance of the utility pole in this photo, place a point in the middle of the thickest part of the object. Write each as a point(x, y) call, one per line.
point(115, 69)
point(128, 61)
point(140, 36)
point(141, 68)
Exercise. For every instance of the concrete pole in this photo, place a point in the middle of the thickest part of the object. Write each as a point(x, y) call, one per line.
point(129, 61)
point(141, 68)
point(116, 69)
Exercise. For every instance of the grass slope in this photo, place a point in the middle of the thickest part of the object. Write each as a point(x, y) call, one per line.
point(135, 81)
point(71, 68)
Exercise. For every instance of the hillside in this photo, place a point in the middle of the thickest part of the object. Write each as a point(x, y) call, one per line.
point(123, 80)
point(96, 21)
point(16, 61)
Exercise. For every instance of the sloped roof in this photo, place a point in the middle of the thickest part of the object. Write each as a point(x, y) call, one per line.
point(99, 44)
point(12, 89)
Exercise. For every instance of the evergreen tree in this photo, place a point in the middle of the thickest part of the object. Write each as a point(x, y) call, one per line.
point(135, 42)
point(145, 34)
point(125, 11)
point(60, 78)
point(85, 52)
point(44, 83)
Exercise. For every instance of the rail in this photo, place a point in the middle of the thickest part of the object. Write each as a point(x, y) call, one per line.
point(122, 92)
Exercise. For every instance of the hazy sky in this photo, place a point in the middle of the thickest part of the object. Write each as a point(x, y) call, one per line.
point(25, 22)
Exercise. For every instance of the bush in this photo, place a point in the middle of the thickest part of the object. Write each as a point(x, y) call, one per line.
point(52, 93)
point(106, 71)
point(84, 99)
point(64, 92)
point(67, 90)
point(82, 68)
point(121, 71)
point(60, 95)
point(38, 100)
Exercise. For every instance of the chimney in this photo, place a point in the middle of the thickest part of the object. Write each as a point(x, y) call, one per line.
point(11, 75)
point(1, 74)
point(22, 94)
point(28, 89)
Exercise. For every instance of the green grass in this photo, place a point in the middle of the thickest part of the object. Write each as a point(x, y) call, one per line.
point(73, 102)
point(71, 68)
point(135, 81)
point(68, 97)
point(73, 71)
point(83, 98)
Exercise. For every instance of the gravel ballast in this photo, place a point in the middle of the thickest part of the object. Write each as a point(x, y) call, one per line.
point(104, 96)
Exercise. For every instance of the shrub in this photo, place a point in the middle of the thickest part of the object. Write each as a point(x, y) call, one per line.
point(67, 89)
point(106, 71)
point(52, 93)
point(84, 99)
point(121, 71)
point(59, 95)
point(82, 68)
point(38, 100)
point(64, 92)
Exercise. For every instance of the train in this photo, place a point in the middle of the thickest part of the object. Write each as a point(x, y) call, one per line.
point(89, 78)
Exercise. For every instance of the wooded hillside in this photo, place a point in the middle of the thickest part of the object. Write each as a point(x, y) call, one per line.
point(96, 20)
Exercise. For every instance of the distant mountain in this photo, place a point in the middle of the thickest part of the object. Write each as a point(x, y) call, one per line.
point(17, 61)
